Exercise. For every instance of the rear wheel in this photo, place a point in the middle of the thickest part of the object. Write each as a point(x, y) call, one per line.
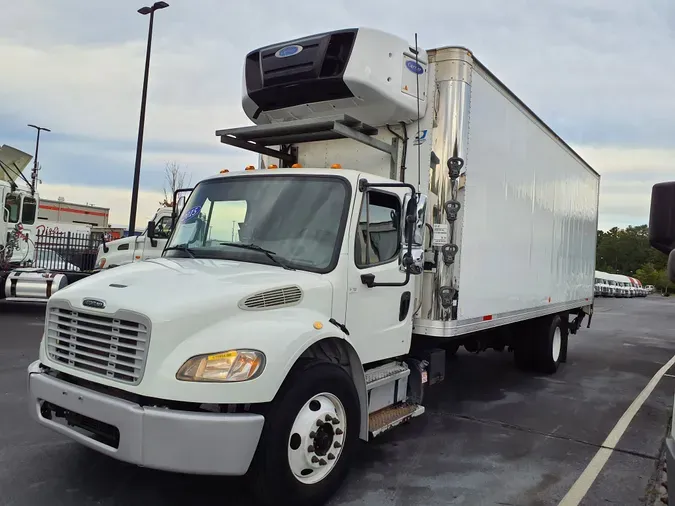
point(542, 345)
point(311, 430)
point(552, 344)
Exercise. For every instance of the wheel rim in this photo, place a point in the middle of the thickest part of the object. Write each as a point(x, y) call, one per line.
point(317, 438)
point(557, 344)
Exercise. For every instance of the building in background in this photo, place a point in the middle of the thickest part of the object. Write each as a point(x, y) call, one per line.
point(68, 212)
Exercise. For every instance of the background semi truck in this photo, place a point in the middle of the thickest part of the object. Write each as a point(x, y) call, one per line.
point(406, 202)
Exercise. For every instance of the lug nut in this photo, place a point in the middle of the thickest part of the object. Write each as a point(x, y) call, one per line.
point(335, 421)
point(339, 432)
point(315, 460)
point(337, 444)
point(331, 456)
point(319, 423)
point(328, 418)
point(310, 449)
point(312, 435)
point(322, 462)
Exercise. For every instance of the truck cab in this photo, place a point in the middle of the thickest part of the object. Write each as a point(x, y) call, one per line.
point(149, 244)
point(19, 213)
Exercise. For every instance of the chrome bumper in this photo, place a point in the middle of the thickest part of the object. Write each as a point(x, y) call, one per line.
point(158, 438)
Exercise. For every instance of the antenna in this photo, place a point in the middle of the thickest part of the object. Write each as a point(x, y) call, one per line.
point(419, 147)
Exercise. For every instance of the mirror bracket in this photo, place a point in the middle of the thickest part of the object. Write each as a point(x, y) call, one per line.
point(412, 250)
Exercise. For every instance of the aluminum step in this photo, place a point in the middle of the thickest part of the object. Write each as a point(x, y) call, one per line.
point(388, 418)
point(384, 374)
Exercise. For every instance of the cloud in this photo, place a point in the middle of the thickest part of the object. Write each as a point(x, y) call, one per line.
point(595, 70)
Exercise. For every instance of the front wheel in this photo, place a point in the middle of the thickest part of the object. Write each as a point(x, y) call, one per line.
point(311, 430)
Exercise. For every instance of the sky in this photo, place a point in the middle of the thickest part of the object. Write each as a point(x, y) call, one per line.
point(599, 72)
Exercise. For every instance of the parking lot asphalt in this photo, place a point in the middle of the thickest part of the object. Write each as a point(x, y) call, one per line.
point(491, 435)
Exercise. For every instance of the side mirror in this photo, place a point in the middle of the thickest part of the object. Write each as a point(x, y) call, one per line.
point(662, 217)
point(151, 233)
point(412, 244)
point(180, 197)
point(180, 205)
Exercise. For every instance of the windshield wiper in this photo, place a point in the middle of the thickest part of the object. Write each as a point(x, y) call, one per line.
point(182, 247)
point(270, 254)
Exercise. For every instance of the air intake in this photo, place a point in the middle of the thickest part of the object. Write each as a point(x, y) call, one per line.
point(269, 299)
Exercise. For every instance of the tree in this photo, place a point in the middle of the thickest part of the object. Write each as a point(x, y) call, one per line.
point(174, 179)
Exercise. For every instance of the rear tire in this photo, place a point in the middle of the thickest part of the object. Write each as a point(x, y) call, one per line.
point(310, 433)
point(551, 344)
point(542, 345)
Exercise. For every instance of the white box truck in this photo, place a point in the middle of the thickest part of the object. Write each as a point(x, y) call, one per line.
point(404, 199)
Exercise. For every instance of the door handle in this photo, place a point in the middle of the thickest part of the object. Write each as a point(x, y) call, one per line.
point(404, 307)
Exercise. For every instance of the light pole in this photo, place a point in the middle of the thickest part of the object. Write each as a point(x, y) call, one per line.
point(141, 124)
point(34, 173)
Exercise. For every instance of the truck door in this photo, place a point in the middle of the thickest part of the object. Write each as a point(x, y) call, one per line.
point(379, 318)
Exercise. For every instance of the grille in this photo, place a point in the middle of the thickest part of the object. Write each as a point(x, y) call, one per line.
point(103, 345)
point(286, 296)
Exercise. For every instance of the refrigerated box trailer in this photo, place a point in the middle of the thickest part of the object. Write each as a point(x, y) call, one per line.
point(406, 203)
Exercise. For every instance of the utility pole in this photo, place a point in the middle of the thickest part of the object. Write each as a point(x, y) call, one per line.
point(141, 123)
point(34, 172)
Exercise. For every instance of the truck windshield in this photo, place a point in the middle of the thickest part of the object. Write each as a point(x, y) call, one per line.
point(293, 221)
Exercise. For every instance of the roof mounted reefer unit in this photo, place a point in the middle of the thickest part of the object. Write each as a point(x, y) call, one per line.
point(364, 73)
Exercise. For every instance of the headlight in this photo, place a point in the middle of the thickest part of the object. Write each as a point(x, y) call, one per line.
point(233, 365)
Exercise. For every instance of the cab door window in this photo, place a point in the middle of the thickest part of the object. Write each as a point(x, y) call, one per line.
point(163, 228)
point(29, 212)
point(12, 209)
point(378, 234)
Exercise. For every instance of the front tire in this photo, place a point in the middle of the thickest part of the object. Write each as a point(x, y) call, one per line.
point(311, 430)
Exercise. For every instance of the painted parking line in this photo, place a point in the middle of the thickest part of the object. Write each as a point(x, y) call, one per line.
point(590, 474)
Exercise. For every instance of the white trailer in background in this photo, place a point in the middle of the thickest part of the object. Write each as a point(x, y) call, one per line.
point(407, 202)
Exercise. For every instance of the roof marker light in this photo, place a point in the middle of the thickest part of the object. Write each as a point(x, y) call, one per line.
point(296, 166)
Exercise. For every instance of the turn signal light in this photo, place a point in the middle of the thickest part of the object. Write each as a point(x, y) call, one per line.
point(296, 166)
point(224, 171)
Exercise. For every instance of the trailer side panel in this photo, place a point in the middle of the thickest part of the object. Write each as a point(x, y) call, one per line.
point(530, 216)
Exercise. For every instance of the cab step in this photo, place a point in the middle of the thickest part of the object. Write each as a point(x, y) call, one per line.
point(384, 374)
point(388, 418)
point(386, 385)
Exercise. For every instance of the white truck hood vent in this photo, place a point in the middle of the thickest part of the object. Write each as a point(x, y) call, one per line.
point(268, 299)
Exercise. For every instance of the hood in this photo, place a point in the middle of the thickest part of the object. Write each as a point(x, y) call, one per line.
point(168, 289)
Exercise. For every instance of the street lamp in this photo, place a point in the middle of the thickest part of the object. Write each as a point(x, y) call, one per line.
point(34, 173)
point(141, 124)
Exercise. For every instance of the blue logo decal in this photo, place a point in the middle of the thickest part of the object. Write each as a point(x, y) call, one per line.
point(421, 138)
point(414, 67)
point(192, 213)
point(287, 51)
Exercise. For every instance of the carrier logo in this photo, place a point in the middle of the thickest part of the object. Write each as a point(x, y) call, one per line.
point(95, 303)
point(414, 67)
point(287, 51)
point(420, 138)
